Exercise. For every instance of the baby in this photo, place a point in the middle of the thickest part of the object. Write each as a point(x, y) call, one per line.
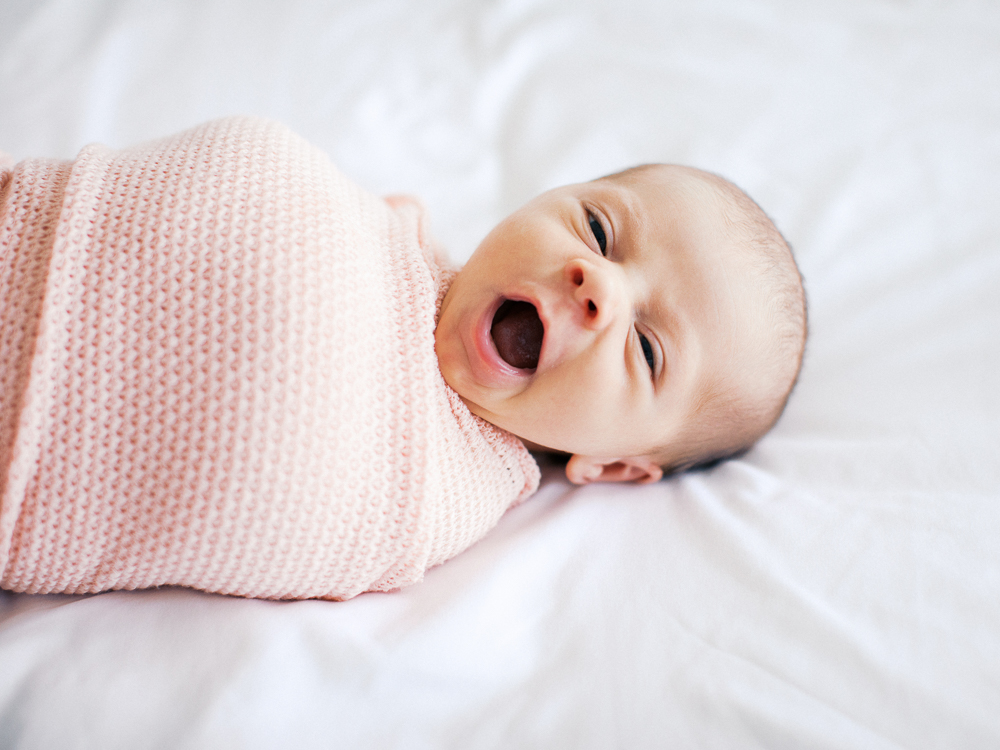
point(225, 366)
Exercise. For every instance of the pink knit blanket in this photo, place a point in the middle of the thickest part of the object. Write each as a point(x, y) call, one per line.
point(218, 371)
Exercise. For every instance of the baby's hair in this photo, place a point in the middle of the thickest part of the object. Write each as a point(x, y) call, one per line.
point(744, 418)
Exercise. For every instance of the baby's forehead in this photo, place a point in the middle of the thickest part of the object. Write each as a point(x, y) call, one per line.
point(675, 183)
point(722, 220)
point(679, 198)
point(682, 205)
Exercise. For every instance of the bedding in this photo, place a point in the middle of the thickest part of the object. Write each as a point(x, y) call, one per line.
point(836, 587)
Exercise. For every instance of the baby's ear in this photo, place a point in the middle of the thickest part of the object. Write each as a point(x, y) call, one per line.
point(586, 469)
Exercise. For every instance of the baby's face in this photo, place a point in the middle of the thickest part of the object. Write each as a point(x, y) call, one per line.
point(644, 306)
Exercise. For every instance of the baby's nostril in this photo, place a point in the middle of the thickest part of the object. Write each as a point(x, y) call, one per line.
point(591, 306)
point(577, 276)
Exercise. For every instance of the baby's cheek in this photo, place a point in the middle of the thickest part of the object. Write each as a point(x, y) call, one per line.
point(562, 415)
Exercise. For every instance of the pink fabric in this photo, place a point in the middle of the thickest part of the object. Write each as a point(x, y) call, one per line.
point(219, 372)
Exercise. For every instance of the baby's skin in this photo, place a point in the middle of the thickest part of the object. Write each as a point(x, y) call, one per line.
point(643, 322)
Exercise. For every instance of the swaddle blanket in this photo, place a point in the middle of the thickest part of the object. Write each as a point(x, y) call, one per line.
point(218, 371)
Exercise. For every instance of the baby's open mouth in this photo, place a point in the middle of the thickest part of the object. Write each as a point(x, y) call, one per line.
point(518, 332)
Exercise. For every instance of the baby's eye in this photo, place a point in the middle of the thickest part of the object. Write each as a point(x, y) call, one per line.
point(598, 230)
point(647, 352)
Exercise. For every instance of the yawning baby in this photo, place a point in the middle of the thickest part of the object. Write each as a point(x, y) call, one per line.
point(225, 366)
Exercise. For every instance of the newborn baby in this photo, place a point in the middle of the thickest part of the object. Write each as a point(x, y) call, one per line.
point(225, 366)
point(650, 320)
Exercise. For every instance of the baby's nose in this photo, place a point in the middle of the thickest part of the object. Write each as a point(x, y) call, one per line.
point(593, 292)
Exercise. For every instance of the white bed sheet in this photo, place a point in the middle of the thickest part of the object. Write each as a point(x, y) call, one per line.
point(838, 587)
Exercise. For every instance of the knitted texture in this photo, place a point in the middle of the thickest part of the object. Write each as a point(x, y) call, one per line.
point(219, 372)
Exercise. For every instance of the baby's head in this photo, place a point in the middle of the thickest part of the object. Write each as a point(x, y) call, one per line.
point(650, 320)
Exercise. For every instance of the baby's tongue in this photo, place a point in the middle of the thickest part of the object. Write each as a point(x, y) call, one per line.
point(518, 333)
